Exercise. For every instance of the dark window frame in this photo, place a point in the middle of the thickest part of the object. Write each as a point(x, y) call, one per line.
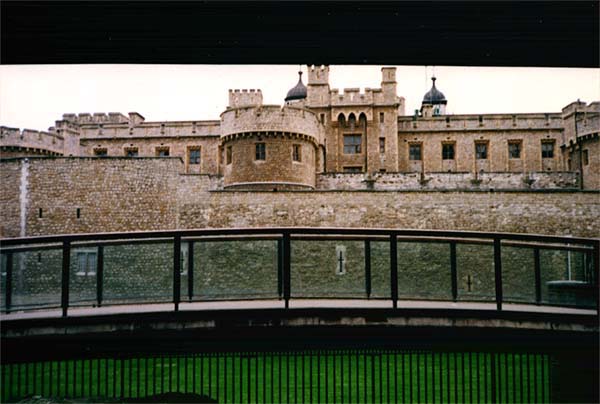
point(548, 149)
point(481, 154)
point(412, 147)
point(448, 151)
point(194, 159)
point(514, 149)
point(297, 153)
point(260, 151)
point(350, 144)
point(132, 152)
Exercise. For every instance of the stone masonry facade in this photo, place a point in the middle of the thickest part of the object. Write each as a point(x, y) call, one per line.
point(320, 132)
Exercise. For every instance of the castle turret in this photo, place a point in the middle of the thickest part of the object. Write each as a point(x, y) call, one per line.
point(434, 102)
point(270, 148)
point(318, 86)
point(388, 85)
point(297, 95)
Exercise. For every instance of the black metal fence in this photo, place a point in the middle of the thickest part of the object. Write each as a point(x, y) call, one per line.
point(297, 376)
point(387, 240)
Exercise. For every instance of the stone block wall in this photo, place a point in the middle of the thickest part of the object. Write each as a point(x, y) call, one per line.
point(121, 194)
point(447, 181)
point(110, 194)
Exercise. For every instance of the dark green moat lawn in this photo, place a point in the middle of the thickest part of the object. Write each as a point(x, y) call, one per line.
point(290, 377)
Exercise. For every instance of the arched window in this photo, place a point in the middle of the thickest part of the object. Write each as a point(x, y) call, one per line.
point(352, 121)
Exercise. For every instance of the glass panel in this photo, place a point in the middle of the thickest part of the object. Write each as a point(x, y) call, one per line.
point(3, 258)
point(380, 270)
point(328, 268)
point(36, 279)
point(424, 271)
point(138, 272)
point(475, 272)
point(82, 278)
point(518, 274)
point(566, 278)
point(234, 270)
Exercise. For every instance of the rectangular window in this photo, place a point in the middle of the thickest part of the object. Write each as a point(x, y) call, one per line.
point(194, 156)
point(100, 152)
point(547, 149)
point(352, 169)
point(381, 145)
point(131, 152)
point(261, 151)
point(86, 263)
point(381, 117)
point(352, 144)
point(162, 152)
point(296, 152)
point(414, 152)
point(586, 157)
point(322, 118)
point(448, 151)
point(481, 151)
point(514, 150)
point(228, 153)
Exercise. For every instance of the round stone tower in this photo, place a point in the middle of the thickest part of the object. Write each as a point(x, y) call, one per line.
point(268, 147)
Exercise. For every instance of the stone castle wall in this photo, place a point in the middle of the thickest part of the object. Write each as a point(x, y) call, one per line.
point(447, 181)
point(121, 194)
point(111, 194)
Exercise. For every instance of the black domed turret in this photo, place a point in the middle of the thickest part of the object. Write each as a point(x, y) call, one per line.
point(434, 96)
point(298, 92)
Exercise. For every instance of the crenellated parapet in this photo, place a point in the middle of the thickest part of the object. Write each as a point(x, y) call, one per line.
point(271, 118)
point(96, 118)
point(244, 98)
point(482, 122)
point(16, 142)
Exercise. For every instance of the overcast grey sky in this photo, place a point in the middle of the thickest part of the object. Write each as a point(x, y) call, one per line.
point(35, 96)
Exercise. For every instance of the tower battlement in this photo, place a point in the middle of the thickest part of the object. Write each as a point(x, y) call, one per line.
point(96, 118)
point(28, 139)
point(245, 98)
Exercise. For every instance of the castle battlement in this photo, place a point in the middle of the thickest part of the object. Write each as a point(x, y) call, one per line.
point(40, 141)
point(351, 96)
point(96, 118)
point(271, 118)
point(244, 98)
point(482, 122)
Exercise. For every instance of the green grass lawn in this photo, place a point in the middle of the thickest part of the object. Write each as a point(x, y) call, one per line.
point(295, 377)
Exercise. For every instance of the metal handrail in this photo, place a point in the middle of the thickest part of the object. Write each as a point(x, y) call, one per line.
point(284, 235)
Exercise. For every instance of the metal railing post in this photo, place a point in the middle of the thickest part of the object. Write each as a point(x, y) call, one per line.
point(498, 272)
point(368, 268)
point(597, 273)
point(286, 268)
point(66, 265)
point(394, 269)
point(538, 276)
point(190, 270)
point(8, 285)
point(453, 271)
point(280, 268)
point(176, 271)
point(100, 275)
